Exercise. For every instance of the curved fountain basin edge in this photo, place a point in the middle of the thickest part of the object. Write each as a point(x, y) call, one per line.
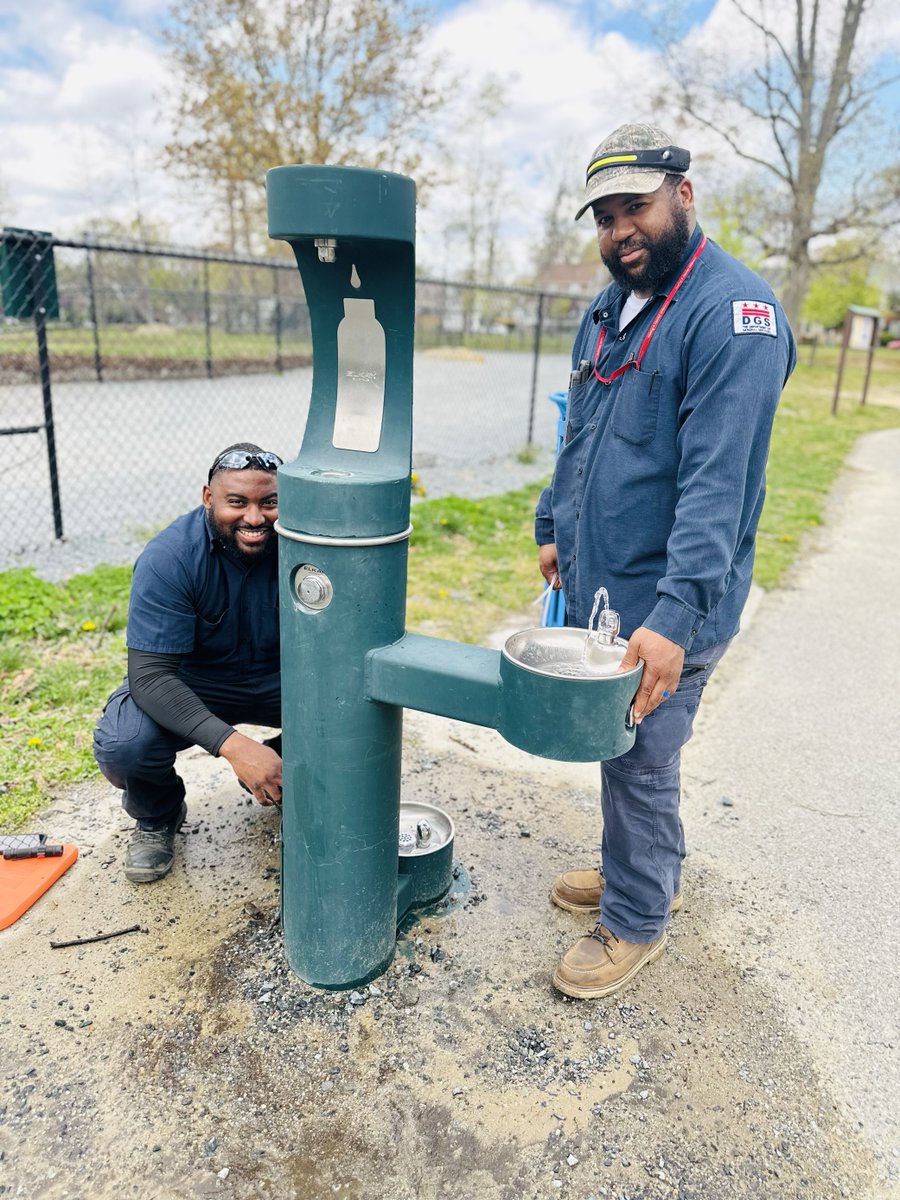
point(571, 720)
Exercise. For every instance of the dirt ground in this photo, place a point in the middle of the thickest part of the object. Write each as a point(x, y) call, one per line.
point(186, 1060)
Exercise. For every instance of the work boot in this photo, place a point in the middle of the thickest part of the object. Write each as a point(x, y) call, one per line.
point(151, 852)
point(579, 892)
point(600, 963)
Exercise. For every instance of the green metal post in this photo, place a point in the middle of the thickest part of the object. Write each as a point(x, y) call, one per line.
point(344, 521)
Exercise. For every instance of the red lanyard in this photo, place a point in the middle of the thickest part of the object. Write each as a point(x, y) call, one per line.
point(636, 362)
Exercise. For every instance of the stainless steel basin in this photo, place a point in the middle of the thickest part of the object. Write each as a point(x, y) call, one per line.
point(426, 852)
point(565, 653)
point(562, 695)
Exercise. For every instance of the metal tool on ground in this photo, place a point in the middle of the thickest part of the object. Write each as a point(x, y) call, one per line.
point(28, 845)
point(45, 851)
point(348, 665)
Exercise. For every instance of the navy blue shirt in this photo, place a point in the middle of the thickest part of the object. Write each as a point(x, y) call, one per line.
point(660, 480)
point(190, 596)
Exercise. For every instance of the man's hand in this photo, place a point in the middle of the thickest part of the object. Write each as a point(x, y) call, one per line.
point(549, 564)
point(662, 669)
point(258, 767)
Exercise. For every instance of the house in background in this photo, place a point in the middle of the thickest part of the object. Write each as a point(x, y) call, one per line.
point(578, 280)
point(572, 286)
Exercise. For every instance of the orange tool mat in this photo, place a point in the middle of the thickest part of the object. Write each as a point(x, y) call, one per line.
point(23, 880)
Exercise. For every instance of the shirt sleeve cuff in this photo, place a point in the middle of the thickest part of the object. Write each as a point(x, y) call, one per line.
point(211, 733)
point(674, 621)
point(543, 531)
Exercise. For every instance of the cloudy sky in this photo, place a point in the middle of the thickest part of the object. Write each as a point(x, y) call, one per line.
point(81, 85)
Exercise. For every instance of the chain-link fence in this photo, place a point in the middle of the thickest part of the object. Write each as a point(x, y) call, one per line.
point(125, 368)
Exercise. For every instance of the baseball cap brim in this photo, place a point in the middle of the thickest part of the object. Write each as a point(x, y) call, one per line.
point(621, 181)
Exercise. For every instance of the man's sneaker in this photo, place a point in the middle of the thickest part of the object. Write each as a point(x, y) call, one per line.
point(579, 892)
point(151, 852)
point(600, 963)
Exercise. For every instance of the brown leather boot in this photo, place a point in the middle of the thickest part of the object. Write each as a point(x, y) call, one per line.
point(600, 963)
point(579, 892)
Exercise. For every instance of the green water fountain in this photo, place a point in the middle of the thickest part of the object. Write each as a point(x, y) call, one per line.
point(350, 869)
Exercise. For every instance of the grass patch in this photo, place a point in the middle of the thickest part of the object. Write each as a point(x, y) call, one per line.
point(62, 651)
point(471, 563)
point(809, 446)
point(153, 341)
point(189, 341)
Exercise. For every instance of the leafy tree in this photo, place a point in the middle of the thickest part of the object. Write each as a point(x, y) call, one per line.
point(795, 100)
point(732, 218)
point(841, 279)
point(111, 229)
point(266, 82)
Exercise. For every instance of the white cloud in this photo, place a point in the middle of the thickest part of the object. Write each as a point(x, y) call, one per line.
point(80, 123)
point(143, 10)
point(560, 84)
point(564, 91)
point(115, 76)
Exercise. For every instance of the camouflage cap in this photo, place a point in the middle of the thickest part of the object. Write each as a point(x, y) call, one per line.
point(605, 177)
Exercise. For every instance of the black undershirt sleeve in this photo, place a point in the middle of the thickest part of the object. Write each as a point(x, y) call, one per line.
point(157, 689)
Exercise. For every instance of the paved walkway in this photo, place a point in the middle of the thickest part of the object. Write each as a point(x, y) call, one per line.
point(793, 786)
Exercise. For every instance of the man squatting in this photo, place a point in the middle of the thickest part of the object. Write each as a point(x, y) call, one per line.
point(677, 368)
point(203, 656)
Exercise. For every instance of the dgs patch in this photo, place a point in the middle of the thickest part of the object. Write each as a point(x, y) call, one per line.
point(753, 316)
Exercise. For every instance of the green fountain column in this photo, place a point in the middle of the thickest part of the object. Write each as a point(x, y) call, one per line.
point(343, 525)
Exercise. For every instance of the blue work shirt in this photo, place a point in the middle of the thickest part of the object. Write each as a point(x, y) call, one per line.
point(660, 479)
point(191, 596)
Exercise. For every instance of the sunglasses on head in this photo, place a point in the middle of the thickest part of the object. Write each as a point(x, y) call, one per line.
point(245, 460)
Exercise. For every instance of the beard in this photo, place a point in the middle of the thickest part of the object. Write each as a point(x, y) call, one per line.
point(225, 535)
point(664, 253)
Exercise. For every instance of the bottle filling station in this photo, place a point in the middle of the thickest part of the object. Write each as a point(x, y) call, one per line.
point(351, 869)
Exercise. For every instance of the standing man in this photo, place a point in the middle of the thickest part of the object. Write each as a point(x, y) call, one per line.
point(677, 369)
point(203, 656)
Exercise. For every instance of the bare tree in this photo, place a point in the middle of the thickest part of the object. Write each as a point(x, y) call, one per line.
point(265, 82)
point(561, 240)
point(791, 112)
point(482, 197)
